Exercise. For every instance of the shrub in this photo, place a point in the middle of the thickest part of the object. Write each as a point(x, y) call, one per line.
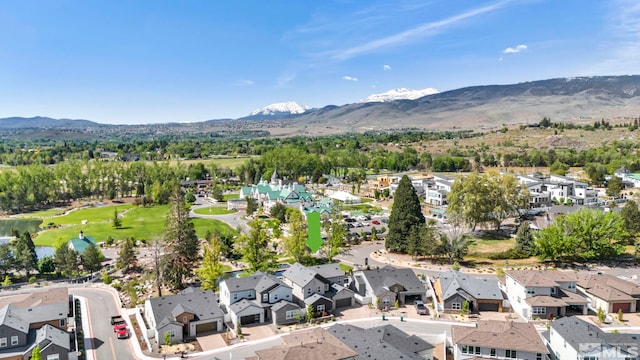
point(456, 266)
point(601, 315)
point(107, 279)
point(32, 279)
point(512, 253)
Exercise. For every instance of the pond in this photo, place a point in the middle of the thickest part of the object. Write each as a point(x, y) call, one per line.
point(41, 251)
point(22, 225)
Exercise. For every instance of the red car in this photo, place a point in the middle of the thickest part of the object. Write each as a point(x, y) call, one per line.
point(122, 334)
point(119, 327)
point(375, 222)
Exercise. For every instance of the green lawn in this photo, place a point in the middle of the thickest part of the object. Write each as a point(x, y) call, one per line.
point(139, 223)
point(346, 268)
point(214, 210)
point(366, 200)
point(42, 214)
point(227, 197)
point(91, 214)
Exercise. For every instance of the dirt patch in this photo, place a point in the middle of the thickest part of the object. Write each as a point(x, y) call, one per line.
point(137, 332)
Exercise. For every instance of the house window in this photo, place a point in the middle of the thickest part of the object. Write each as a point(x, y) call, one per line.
point(493, 353)
point(538, 356)
point(184, 319)
point(235, 296)
point(571, 285)
point(510, 354)
point(275, 297)
point(539, 310)
point(265, 297)
point(456, 306)
point(291, 314)
point(386, 301)
point(172, 333)
point(471, 350)
point(14, 340)
point(590, 358)
point(3, 342)
point(326, 287)
point(62, 322)
point(531, 291)
point(53, 357)
point(553, 291)
point(321, 308)
point(308, 291)
point(318, 288)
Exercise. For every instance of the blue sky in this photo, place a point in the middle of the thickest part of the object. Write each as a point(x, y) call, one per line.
point(132, 62)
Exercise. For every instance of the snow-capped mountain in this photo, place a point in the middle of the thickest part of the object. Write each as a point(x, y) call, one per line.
point(284, 108)
point(399, 94)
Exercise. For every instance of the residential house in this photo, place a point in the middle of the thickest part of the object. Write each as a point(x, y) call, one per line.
point(186, 314)
point(39, 318)
point(538, 194)
point(498, 339)
point(382, 342)
point(544, 294)
point(277, 191)
point(81, 243)
point(544, 190)
point(627, 176)
point(313, 344)
point(453, 288)
point(320, 286)
point(574, 338)
point(386, 285)
point(252, 299)
point(609, 293)
point(436, 193)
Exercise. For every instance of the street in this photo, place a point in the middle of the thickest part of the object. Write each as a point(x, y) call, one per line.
point(102, 305)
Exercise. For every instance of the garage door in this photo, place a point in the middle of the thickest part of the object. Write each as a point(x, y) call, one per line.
point(212, 326)
point(343, 302)
point(487, 307)
point(625, 307)
point(250, 319)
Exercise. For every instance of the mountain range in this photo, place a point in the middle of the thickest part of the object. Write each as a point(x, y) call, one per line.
point(579, 99)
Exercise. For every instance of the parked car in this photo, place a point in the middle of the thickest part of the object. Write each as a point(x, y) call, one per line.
point(122, 334)
point(365, 223)
point(375, 222)
point(420, 308)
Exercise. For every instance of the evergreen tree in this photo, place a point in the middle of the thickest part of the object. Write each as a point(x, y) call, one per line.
point(337, 233)
point(405, 214)
point(181, 242)
point(252, 205)
point(422, 240)
point(66, 260)
point(117, 223)
point(279, 211)
point(46, 265)
point(25, 253)
point(295, 245)
point(7, 260)
point(524, 238)
point(92, 259)
point(127, 255)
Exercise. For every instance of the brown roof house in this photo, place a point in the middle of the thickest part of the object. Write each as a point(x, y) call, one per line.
point(544, 294)
point(314, 344)
point(609, 292)
point(498, 339)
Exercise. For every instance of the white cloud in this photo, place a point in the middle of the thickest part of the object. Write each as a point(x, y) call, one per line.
point(515, 50)
point(386, 67)
point(414, 34)
point(350, 78)
point(245, 83)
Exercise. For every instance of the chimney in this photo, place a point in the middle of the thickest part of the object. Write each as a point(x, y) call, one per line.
point(81, 235)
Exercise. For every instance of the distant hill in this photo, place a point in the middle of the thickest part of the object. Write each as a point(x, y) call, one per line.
point(45, 123)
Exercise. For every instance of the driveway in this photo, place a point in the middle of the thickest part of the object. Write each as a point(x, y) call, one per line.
point(211, 341)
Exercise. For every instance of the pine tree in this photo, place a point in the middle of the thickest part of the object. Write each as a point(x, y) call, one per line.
point(524, 238)
point(117, 223)
point(127, 256)
point(405, 214)
point(25, 252)
point(92, 258)
point(181, 242)
point(66, 260)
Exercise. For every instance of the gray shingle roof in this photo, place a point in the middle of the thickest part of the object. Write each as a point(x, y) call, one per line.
point(389, 276)
point(9, 318)
point(301, 275)
point(382, 342)
point(327, 271)
point(202, 303)
point(48, 334)
point(283, 303)
point(242, 305)
point(259, 282)
point(580, 334)
point(315, 297)
point(479, 288)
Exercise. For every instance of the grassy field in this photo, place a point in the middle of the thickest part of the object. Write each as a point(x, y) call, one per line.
point(139, 223)
point(230, 162)
point(214, 210)
point(90, 214)
point(227, 197)
point(42, 214)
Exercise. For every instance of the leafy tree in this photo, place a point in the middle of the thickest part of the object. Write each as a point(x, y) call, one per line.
point(279, 211)
point(167, 338)
point(465, 307)
point(337, 234)
point(117, 222)
point(46, 265)
point(25, 253)
point(455, 243)
point(596, 172)
point(309, 315)
point(602, 316)
point(631, 216)
point(252, 205)
point(7, 261)
point(583, 235)
point(66, 260)
point(524, 238)
point(181, 242)
point(92, 258)
point(127, 255)
point(614, 186)
point(255, 248)
point(405, 214)
point(35, 353)
point(559, 168)
point(295, 245)
point(211, 268)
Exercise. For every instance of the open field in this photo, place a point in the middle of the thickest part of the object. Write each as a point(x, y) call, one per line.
point(225, 162)
point(139, 222)
point(42, 214)
point(227, 197)
point(214, 210)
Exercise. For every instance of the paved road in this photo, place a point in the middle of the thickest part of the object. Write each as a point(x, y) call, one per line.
point(102, 305)
point(234, 220)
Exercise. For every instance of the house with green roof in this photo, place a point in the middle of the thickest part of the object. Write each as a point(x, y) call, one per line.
point(267, 194)
point(81, 243)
